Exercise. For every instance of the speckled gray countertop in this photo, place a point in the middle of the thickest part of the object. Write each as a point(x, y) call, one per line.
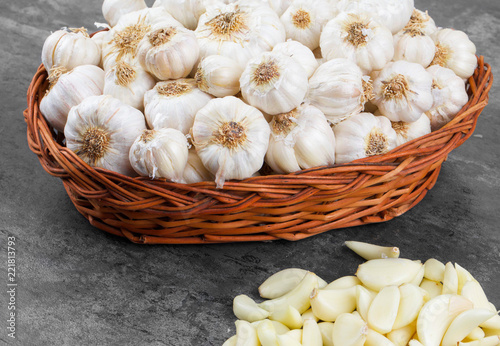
point(80, 286)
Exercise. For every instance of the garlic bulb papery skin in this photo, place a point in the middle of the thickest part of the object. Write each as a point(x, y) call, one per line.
point(231, 138)
point(409, 131)
point(274, 83)
point(101, 130)
point(160, 153)
point(174, 104)
point(449, 95)
point(339, 89)
point(357, 37)
point(112, 10)
point(300, 139)
point(168, 52)
point(68, 89)
point(300, 53)
point(70, 48)
point(454, 50)
point(363, 135)
point(239, 31)
point(304, 20)
point(413, 45)
point(218, 75)
point(128, 83)
point(402, 91)
point(195, 171)
point(422, 21)
point(394, 14)
point(99, 38)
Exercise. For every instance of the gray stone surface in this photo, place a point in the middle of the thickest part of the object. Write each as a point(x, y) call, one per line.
point(81, 286)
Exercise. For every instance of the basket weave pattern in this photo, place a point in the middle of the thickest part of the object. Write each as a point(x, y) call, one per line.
point(291, 206)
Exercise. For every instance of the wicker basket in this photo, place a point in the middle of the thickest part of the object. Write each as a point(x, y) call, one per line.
point(269, 207)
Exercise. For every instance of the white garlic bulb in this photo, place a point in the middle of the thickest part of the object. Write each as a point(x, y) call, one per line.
point(174, 104)
point(409, 131)
point(168, 52)
point(128, 83)
point(72, 87)
point(195, 172)
point(422, 21)
point(239, 31)
point(449, 95)
point(101, 130)
point(303, 21)
point(456, 51)
point(218, 75)
point(160, 153)
point(300, 139)
point(339, 89)
point(363, 135)
point(394, 14)
point(112, 10)
point(300, 53)
point(231, 138)
point(402, 91)
point(413, 45)
point(69, 49)
point(274, 83)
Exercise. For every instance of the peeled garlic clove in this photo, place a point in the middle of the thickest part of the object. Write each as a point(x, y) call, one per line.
point(364, 298)
point(311, 334)
point(287, 340)
point(434, 270)
point(371, 251)
point(218, 75)
point(300, 53)
point(401, 336)
point(231, 341)
point(415, 342)
point(463, 276)
point(493, 340)
point(246, 334)
point(289, 316)
point(245, 308)
point(327, 305)
point(412, 300)
point(101, 130)
point(378, 273)
point(436, 316)
point(384, 309)
point(374, 338)
point(298, 297)
point(476, 334)
point(343, 282)
point(433, 288)
point(267, 334)
point(195, 172)
point(279, 327)
point(295, 334)
point(450, 280)
point(349, 330)
point(274, 83)
point(112, 10)
point(417, 280)
point(492, 324)
point(463, 324)
point(491, 332)
point(309, 314)
point(473, 291)
point(283, 282)
point(326, 329)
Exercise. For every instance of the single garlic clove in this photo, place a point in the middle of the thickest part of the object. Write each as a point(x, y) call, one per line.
point(311, 334)
point(364, 298)
point(450, 280)
point(287, 340)
point(327, 305)
point(231, 341)
point(493, 340)
point(436, 316)
point(283, 281)
point(463, 276)
point(374, 338)
point(289, 316)
point(279, 327)
point(326, 329)
point(245, 308)
point(295, 334)
point(417, 280)
point(267, 334)
point(309, 314)
point(371, 251)
point(349, 330)
point(298, 297)
point(378, 273)
point(246, 334)
point(490, 332)
point(434, 270)
point(412, 300)
point(343, 282)
point(433, 288)
point(473, 291)
point(463, 324)
point(401, 336)
point(492, 324)
point(476, 334)
point(384, 309)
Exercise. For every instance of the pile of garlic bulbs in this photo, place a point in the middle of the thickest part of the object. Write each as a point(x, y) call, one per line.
point(292, 84)
point(390, 301)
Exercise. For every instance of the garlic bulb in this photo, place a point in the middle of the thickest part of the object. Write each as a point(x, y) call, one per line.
point(128, 83)
point(69, 49)
point(409, 131)
point(304, 20)
point(357, 37)
point(422, 21)
point(101, 130)
point(195, 172)
point(112, 10)
point(402, 91)
point(160, 153)
point(300, 53)
point(449, 94)
point(363, 135)
point(339, 89)
point(274, 83)
point(413, 45)
point(168, 52)
point(454, 50)
point(394, 14)
point(300, 139)
point(239, 31)
point(72, 87)
point(187, 12)
point(174, 104)
point(231, 138)
point(219, 75)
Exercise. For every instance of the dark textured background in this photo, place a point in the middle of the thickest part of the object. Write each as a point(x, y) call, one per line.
point(81, 286)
